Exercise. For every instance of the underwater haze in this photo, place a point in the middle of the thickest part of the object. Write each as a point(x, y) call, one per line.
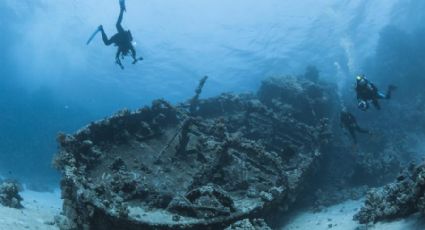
point(52, 82)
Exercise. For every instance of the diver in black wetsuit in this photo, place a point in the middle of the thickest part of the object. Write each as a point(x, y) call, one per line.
point(123, 39)
point(348, 121)
point(367, 91)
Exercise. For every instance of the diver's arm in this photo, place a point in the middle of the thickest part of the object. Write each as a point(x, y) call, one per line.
point(117, 55)
point(105, 39)
point(117, 59)
point(133, 54)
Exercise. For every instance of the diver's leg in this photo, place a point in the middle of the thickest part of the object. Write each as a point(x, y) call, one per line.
point(105, 38)
point(118, 25)
point(353, 135)
point(122, 5)
point(388, 94)
point(390, 89)
point(376, 104)
point(382, 96)
point(361, 130)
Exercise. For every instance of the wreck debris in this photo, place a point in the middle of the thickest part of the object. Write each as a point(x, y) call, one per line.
point(246, 224)
point(184, 127)
point(184, 136)
point(182, 132)
point(195, 100)
point(205, 202)
point(240, 157)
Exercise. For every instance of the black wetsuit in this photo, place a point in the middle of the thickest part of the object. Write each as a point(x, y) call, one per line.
point(348, 121)
point(369, 92)
point(122, 39)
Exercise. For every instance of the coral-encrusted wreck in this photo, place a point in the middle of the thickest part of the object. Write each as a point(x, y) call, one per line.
point(205, 164)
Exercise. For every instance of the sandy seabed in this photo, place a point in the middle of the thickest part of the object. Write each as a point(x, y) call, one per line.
point(40, 209)
point(340, 217)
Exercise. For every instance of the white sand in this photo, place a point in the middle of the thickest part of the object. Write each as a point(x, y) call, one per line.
point(341, 218)
point(40, 209)
point(38, 212)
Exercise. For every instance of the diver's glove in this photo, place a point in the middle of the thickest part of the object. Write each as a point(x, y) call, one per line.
point(137, 59)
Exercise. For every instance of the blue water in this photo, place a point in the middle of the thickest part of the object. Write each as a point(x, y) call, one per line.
point(52, 81)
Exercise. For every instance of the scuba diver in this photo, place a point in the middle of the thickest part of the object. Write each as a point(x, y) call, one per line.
point(123, 39)
point(348, 121)
point(367, 91)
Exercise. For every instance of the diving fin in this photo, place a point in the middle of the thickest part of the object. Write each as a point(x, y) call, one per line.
point(93, 35)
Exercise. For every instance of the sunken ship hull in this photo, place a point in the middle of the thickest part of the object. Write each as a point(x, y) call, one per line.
point(204, 164)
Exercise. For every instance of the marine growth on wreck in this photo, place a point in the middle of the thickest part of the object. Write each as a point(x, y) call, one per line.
point(205, 163)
